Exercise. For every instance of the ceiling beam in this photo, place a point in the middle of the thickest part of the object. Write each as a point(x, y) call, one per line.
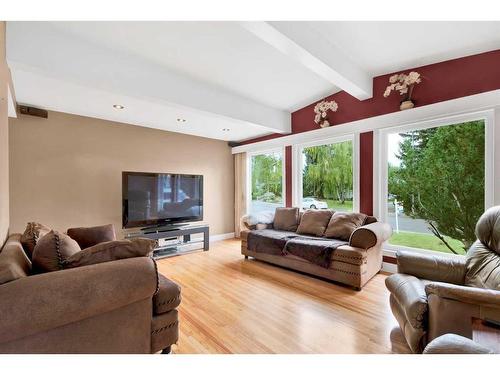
point(308, 47)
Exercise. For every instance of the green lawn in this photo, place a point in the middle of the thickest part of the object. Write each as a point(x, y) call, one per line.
point(425, 241)
point(336, 205)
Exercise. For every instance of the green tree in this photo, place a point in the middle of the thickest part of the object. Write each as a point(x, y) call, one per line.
point(328, 171)
point(441, 178)
point(266, 175)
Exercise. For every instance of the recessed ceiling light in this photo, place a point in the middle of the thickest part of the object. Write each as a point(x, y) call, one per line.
point(225, 130)
point(118, 106)
point(181, 120)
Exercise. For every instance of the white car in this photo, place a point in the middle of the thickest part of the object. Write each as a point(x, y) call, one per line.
point(313, 203)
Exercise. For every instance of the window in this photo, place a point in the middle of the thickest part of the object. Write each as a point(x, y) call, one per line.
point(435, 184)
point(266, 182)
point(327, 178)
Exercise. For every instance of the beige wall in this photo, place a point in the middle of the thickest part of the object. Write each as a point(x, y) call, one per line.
point(66, 170)
point(4, 141)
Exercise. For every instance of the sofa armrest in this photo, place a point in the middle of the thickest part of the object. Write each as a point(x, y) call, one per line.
point(370, 235)
point(410, 294)
point(465, 294)
point(455, 344)
point(432, 267)
point(42, 302)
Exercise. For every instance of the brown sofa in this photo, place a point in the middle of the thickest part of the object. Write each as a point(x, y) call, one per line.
point(122, 306)
point(353, 263)
point(432, 295)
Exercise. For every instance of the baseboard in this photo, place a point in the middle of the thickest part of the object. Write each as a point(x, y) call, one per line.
point(221, 237)
point(389, 267)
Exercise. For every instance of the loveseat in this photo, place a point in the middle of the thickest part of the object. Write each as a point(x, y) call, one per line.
point(121, 306)
point(352, 259)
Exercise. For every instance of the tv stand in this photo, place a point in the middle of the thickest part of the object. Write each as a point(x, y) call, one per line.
point(184, 232)
point(163, 228)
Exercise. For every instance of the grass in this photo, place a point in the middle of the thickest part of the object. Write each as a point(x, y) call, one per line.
point(336, 205)
point(425, 241)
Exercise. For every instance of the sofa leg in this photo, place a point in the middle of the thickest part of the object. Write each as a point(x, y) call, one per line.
point(166, 350)
point(246, 256)
point(357, 288)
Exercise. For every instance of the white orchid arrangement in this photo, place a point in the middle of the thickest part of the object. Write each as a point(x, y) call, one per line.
point(403, 83)
point(321, 109)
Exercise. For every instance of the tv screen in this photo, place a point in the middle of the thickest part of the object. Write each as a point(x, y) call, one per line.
point(161, 198)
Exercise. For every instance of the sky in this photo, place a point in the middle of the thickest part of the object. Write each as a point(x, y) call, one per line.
point(393, 149)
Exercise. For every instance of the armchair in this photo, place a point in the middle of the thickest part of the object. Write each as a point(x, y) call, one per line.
point(432, 295)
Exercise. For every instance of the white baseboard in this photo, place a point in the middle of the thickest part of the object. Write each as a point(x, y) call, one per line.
point(389, 267)
point(221, 237)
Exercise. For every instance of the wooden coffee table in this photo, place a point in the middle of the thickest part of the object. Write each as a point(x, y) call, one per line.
point(486, 335)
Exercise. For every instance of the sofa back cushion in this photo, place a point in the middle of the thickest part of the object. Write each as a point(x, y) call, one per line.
point(314, 222)
point(286, 219)
point(87, 237)
point(52, 250)
point(14, 263)
point(342, 224)
point(33, 232)
point(110, 251)
point(482, 267)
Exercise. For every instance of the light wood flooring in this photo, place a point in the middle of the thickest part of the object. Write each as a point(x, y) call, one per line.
point(233, 305)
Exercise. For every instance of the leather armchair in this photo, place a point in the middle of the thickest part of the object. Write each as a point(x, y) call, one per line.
point(432, 295)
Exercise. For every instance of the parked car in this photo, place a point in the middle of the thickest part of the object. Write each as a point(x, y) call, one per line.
point(313, 203)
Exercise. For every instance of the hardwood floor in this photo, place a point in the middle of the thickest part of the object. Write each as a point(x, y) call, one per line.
point(233, 305)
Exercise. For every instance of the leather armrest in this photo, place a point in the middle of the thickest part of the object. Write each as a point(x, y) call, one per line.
point(466, 294)
point(370, 235)
point(455, 344)
point(410, 294)
point(432, 267)
point(42, 302)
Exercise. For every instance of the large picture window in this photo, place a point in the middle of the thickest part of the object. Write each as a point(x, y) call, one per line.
point(327, 176)
point(435, 185)
point(266, 182)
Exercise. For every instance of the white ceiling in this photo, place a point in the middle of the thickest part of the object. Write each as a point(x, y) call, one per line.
point(383, 47)
point(219, 75)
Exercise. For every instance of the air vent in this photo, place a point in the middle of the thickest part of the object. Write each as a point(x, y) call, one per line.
point(32, 111)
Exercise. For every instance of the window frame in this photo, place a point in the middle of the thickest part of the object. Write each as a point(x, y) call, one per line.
point(279, 150)
point(380, 175)
point(297, 163)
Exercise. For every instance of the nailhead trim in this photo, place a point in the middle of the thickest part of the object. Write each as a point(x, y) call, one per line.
point(168, 302)
point(164, 328)
point(57, 240)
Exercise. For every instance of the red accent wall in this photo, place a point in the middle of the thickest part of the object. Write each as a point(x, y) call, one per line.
point(288, 176)
point(440, 82)
point(366, 173)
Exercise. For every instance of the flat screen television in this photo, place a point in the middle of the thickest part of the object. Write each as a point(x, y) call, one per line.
point(156, 199)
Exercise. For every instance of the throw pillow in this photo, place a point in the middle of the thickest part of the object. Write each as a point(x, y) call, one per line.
point(314, 222)
point(87, 237)
point(52, 250)
point(32, 233)
point(342, 224)
point(109, 251)
point(286, 219)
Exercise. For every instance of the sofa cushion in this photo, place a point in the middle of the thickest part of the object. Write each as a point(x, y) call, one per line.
point(14, 263)
point(168, 296)
point(286, 219)
point(110, 251)
point(87, 237)
point(342, 224)
point(314, 222)
point(52, 250)
point(33, 232)
point(488, 229)
point(482, 267)
point(409, 292)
